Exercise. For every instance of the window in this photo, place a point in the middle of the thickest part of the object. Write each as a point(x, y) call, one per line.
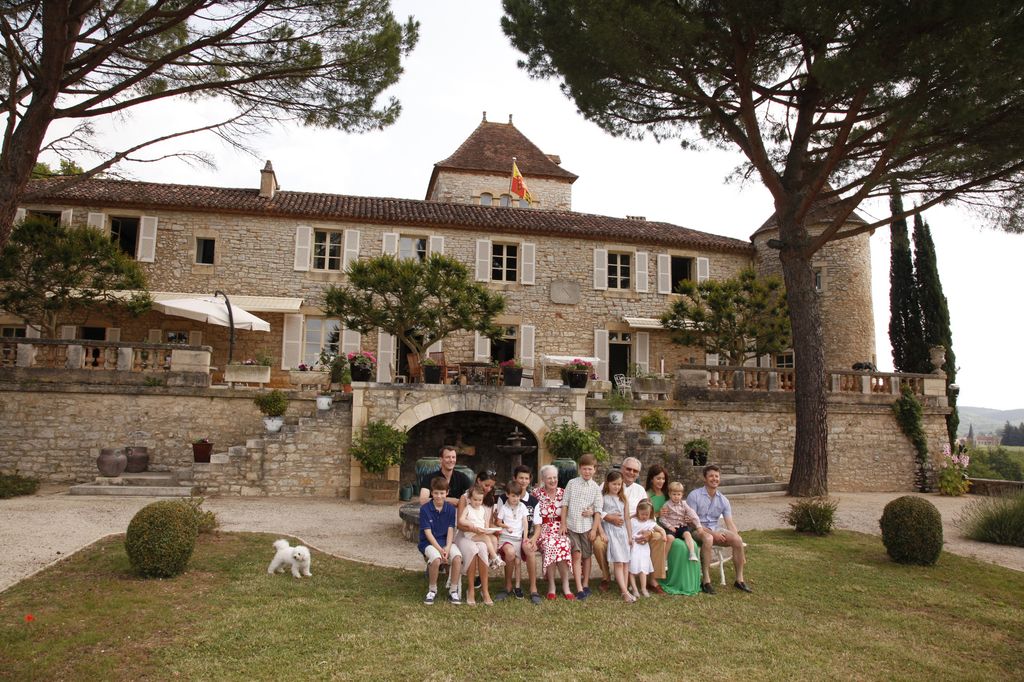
point(504, 349)
point(524, 203)
point(125, 233)
point(92, 334)
point(12, 332)
point(321, 334)
point(784, 361)
point(504, 262)
point(618, 270)
point(205, 250)
point(178, 336)
point(506, 200)
point(817, 280)
point(327, 250)
point(52, 216)
point(682, 269)
point(486, 199)
point(412, 247)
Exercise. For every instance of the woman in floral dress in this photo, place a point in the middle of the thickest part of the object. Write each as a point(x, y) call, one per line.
point(547, 531)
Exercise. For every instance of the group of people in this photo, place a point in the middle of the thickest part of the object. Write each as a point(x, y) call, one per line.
point(640, 537)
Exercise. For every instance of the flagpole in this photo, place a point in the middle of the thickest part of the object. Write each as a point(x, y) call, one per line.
point(512, 178)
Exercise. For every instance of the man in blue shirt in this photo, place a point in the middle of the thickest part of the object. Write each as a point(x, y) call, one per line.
point(437, 533)
point(709, 505)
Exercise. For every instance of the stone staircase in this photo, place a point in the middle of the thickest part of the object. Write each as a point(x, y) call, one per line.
point(177, 483)
point(736, 486)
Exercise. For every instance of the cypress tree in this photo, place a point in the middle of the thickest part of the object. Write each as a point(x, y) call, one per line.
point(935, 311)
point(906, 335)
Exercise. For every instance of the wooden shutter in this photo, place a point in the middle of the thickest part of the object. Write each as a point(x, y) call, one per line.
point(351, 249)
point(601, 353)
point(483, 260)
point(434, 347)
point(153, 336)
point(664, 273)
point(113, 333)
point(303, 247)
point(481, 348)
point(640, 275)
point(643, 350)
point(32, 332)
point(703, 270)
point(146, 249)
point(711, 359)
point(435, 245)
point(66, 217)
point(67, 332)
point(291, 345)
point(97, 221)
point(600, 268)
point(526, 345)
point(350, 341)
point(385, 356)
point(528, 263)
point(195, 338)
point(19, 215)
point(389, 244)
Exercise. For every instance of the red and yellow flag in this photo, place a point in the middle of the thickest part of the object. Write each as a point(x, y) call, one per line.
point(518, 186)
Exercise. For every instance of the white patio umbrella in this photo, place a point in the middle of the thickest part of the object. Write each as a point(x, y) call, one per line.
point(213, 311)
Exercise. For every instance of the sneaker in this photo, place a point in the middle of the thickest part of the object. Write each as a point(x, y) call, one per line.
point(517, 593)
point(586, 591)
point(429, 599)
point(535, 598)
point(476, 583)
point(581, 595)
point(455, 597)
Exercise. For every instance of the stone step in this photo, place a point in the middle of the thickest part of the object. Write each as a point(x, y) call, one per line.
point(145, 478)
point(745, 479)
point(748, 490)
point(131, 490)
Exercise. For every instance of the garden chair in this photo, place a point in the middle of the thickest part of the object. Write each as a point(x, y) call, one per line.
point(415, 370)
point(624, 385)
point(720, 555)
point(448, 372)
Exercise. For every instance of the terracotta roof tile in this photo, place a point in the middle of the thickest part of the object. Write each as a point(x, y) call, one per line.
point(823, 211)
point(490, 148)
point(376, 210)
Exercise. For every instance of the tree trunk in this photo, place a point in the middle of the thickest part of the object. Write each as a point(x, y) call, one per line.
point(809, 476)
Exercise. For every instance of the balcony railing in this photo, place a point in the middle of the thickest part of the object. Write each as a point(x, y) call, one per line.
point(725, 378)
point(119, 356)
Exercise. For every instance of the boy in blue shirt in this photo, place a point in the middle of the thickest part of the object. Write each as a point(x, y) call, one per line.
point(437, 533)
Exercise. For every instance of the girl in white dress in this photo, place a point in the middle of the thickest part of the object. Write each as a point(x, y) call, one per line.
point(640, 565)
point(477, 517)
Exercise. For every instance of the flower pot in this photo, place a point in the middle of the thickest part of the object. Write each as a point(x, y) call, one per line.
point(431, 374)
point(577, 379)
point(512, 376)
point(615, 416)
point(361, 373)
point(380, 491)
point(656, 437)
point(699, 457)
point(201, 452)
point(112, 462)
point(273, 424)
point(323, 402)
point(138, 459)
point(346, 388)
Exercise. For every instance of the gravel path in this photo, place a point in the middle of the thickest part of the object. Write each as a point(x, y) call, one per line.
point(52, 525)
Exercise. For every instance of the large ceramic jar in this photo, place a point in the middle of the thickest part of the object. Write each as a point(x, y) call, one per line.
point(138, 459)
point(112, 462)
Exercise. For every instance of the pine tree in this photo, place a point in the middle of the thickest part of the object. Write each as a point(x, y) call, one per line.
point(909, 351)
point(935, 311)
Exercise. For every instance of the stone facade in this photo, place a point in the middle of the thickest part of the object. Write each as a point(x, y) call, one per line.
point(466, 188)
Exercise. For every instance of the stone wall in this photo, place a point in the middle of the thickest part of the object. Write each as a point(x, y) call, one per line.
point(467, 186)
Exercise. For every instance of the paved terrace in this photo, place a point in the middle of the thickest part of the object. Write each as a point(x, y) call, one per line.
point(52, 525)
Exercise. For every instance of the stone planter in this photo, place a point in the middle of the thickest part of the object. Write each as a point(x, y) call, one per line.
point(380, 491)
point(247, 374)
point(652, 385)
point(138, 459)
point(273, 424)
point(309, 380)
point(616, 416)
point(112, 462)
point(656, 437)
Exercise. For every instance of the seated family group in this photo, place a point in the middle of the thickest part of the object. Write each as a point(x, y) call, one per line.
point(643, 539)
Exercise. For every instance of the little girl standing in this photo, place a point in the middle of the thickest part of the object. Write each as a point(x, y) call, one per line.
point(619, 538)
point(640, 565)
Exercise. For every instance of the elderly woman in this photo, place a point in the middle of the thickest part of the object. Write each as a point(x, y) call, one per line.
point(474, 554)
point(547, 522)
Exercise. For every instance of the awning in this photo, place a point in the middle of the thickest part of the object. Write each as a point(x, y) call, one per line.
point(213, 311)
point(258, 304)
point(643, 322)
point(563, 360)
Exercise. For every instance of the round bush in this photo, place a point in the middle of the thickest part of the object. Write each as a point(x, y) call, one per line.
point(160, 539)
point(912, 531)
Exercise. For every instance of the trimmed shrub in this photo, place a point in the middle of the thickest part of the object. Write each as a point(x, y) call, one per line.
point(999, 520)
point(161, 537)
point(13, 485)
point(912, 531)
point(812, 515)
point(206, 521)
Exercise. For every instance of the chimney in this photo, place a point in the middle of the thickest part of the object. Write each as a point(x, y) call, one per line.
point(554, 158)
point(268, 182)
point(639, 218)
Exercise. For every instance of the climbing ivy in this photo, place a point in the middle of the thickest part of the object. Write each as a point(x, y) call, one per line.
point(908, 412)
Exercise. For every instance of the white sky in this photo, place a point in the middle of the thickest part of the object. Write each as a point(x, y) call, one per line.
point(463, 65)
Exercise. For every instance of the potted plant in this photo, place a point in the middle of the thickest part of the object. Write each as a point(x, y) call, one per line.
point(251, 371)
point(578, 372)
point(618, 404)
point(431, 371)
point(698, 450)
point(512, 372)
point(567, 442)
point(338, 366)
point(362, 363)
point(201, 449)
point(344, 376)
point(273, 405)
point(324, 399)
point(655, 423)
point(379, 447)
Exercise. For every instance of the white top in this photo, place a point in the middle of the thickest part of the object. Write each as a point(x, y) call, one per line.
point(475, 516)
point(635, 493)
point(513, 518)
point(641, 527)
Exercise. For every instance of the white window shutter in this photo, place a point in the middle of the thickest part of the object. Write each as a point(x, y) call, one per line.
point(643, 350)
point(303, 246)
point(483, 260)
point(703, 270)
point(67, 332)
point(664, 273)
point(389, 244)
point(434, 347)
point(350, 340)
point(291, 346)
point(153, 336)
point(19, 215)
point(526, 345)
point(600, 268)
point(195, 338)
point(528, 263)
point(436, 245)
point(66, 217)
point(97, 221)
point(481, 348)
point(113, 333)
point(640, 276)
point(146, 249)
point(32, 332)
point(385, 356)
point(351, 249)
point(711, 359)
point(601, 353)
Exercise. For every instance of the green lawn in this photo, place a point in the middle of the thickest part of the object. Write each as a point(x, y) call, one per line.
point(823, 608)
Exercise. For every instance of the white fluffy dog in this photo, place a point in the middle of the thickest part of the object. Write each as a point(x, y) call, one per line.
point(296, 557)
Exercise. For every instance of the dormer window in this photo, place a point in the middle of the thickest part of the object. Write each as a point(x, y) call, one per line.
point(506, 200)
point(486, 199)
point(523, 203)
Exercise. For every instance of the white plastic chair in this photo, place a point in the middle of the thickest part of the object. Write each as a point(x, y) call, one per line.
point(624, 384)
point(718, 553)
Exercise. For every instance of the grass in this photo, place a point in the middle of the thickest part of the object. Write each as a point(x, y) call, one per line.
point(832, 607)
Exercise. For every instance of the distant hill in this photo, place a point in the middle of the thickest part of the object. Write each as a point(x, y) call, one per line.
point(985, 419)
